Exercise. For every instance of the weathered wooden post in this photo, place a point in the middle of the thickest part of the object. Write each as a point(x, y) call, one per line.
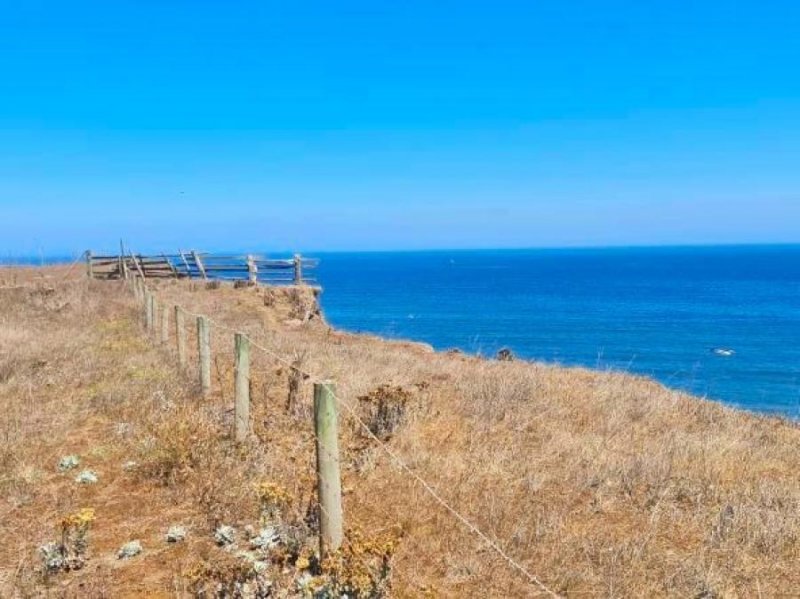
point(148, 310)
point(241, 406)
point(329, 484)
point(143, 303)
point(252, 270)
point(123, 267)
point(154, 308)
point(180, 336)
point(204, 352)
point(199, 264)
point(298, 269)
point(138, 267)
point(89, 267)
point(164, 325)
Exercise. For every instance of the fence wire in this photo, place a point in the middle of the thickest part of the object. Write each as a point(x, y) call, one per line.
point(531, 578)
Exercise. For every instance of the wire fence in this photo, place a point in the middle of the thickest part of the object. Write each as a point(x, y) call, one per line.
point(145, 294)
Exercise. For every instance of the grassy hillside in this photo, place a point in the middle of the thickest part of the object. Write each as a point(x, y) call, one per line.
point(599, 484)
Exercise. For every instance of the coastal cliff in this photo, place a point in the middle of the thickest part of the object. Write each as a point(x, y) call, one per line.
point(588, 482)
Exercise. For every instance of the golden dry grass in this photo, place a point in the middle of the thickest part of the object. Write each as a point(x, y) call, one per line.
point(602, 484)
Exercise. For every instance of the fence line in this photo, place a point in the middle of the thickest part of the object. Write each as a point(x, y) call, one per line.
point(251, 268)
point(326, 433)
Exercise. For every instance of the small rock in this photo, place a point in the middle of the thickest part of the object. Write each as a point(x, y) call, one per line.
point(505, 355)
point(68, 462)
point(129, 465)
point(249, 531)
point(176, 534)
point(225, 535)
point(129, 550)
point(87, 477)
point(267, 538)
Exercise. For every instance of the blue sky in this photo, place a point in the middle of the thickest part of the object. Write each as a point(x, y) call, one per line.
point(365, 125)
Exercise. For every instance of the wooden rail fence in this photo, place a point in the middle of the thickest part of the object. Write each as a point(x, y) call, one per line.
point(253, 268)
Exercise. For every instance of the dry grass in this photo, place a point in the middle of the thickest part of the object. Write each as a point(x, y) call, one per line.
point(602, 484)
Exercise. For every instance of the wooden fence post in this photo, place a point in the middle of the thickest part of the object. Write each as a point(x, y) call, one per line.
point(164, 325)
point(123, 267)
point(204, 352)
point(154, 315)
point(138, 267)
point(180, 336)
point(329, 484)
point(199, 264)
point(241, 406)
point(185, 264)
point(89, 267)
point(252, 270)
point(148, 311)
point(298, 269)
point(143, 302)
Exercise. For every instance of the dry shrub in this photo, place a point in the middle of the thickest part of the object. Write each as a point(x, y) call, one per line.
point(273, 499)
point(495, 390)
point(296, 377)
point(70, 552)
point(303, 303)
point(177, 444)
point(9, 364)
point(361, 568)
point(226, 576)
point(383, 410)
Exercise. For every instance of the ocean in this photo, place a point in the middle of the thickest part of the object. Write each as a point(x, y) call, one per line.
point(718, 322)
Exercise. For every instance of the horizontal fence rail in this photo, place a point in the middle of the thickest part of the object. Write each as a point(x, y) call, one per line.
point(254, 268)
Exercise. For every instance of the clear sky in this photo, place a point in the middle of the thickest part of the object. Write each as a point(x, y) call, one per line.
point(384, 125)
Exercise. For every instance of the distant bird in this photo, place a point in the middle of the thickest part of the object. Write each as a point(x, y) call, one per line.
point(723, 352)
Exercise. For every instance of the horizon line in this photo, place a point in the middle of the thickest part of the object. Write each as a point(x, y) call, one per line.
point(60, 257)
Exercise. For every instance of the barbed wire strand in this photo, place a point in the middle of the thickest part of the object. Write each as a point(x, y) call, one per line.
point(532, 578)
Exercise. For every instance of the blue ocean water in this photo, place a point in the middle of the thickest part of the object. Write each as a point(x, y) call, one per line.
point(657, 311)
